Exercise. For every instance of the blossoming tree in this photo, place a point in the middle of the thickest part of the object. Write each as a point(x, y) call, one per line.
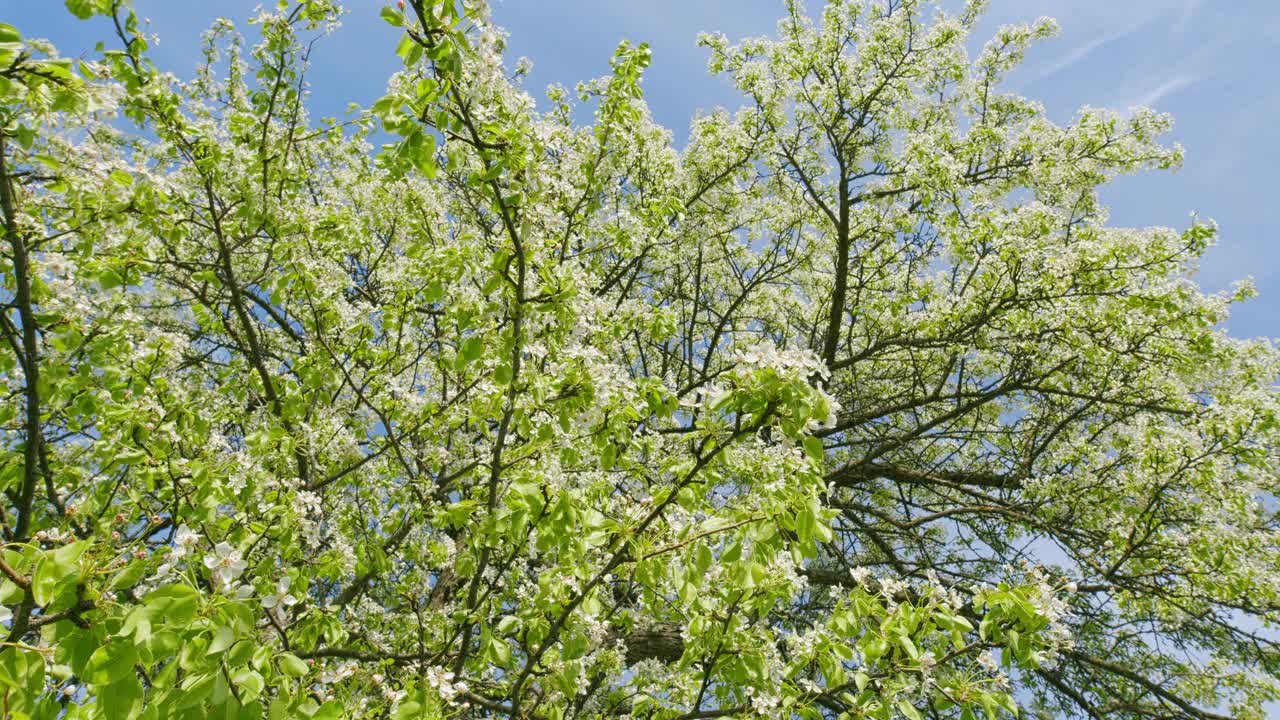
point(854, 407)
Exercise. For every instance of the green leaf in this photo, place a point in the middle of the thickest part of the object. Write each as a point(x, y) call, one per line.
point(128, 576)
point(196, 688)
point(13, 667)
point(822, 531)
point(909, 647)
point(575, 645)
point(83, 9)
point(26, 137)
point(508, 624)
point(989, 705)
point(123, 698)
point(292, 665)
point(502, 374)
point(111, 662)
point(223, 638)
point(423, 156)
point(409, 51)
point(62, 565)
point(804, 524)
point(813, 448)
point(331, 710)
point(394, 17)
point(1007, 702)
point(249, 682)
point(472, 349)
point(860, 679)
point(44, 582)
point(702, 558)
point(68, 555)
point(731, 554)
point(175, 604)
point(407, 710)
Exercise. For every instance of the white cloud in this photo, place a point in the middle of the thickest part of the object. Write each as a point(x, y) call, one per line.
point(1080, 52)
point(1189, 9)
point(1158, 93)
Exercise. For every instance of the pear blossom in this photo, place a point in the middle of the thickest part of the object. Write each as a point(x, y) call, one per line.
point(856, 402)
point(184, 541)
point(281, 597)
point(226, 564)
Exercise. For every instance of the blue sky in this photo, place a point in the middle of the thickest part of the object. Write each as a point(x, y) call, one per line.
point(1208, 63)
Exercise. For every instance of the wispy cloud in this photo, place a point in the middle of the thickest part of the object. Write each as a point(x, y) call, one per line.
point(1080, 52)
point(1159, 12)
point(1189, 9)
point(1163, 90)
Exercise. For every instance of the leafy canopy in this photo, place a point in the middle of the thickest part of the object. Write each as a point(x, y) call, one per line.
point(854, 407)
